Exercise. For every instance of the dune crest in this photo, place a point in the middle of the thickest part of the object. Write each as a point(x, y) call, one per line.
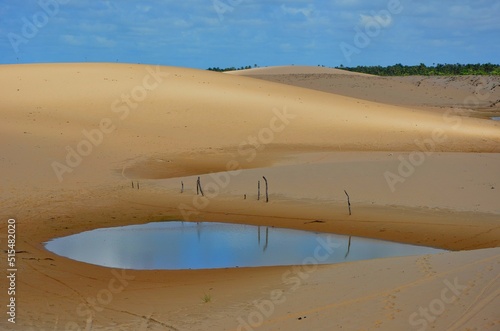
point(294, 70)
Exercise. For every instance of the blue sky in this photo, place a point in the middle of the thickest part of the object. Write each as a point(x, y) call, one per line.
point(206, 33)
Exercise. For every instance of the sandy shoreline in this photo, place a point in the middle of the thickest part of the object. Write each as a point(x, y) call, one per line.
point(407, 184)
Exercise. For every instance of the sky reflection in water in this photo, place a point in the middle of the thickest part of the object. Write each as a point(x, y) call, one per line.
point(204, 245)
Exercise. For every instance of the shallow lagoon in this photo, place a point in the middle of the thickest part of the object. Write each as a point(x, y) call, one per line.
point(204, 245)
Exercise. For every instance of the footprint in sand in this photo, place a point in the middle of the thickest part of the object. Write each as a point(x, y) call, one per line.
point(389, 307)
point(425, 266)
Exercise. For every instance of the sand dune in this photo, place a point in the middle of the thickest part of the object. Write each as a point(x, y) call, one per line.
point(475, 96)
point(184, 110)
point(74, 137)
point(294, 70)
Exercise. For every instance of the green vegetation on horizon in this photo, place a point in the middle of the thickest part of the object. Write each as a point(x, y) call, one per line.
point(231, 68)
point(404, 70)
point(423, 70)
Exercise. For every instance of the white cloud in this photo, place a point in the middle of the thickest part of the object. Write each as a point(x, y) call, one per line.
point(110, 5)
point(143, 8)
point(346, 3)
point(72, 40)
point(104, 41)
point(445, 43)
point(182, 23)
point(375, 19)
point(306, 11)
point(143, 30)
point(96, 27)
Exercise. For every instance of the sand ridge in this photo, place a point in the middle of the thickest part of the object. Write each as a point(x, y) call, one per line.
point(294, 70)
point(239, 108)
point(475, 96)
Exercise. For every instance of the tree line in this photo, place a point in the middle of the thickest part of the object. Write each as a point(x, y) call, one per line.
point(423, 70)
point(231, 68)
point(405, 70)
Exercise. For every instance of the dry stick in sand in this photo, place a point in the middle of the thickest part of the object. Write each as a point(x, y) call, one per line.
point(137, 184)
point(132, 184)
point(199, 185)
point(182, 186)
point(348, 202)
point(258, 190)
point(267, 196)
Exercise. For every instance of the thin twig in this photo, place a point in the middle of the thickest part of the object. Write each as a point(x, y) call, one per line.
point(199, 185)
point(267, 196)
point(258, 190)
point(348, 202)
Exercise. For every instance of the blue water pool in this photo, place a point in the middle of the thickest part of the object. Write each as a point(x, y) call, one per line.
point(203, 245)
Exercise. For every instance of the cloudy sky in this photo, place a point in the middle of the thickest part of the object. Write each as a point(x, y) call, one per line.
point(206, 33)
